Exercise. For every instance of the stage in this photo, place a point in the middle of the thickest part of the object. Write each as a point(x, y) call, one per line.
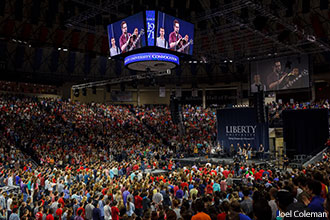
point(217, 161)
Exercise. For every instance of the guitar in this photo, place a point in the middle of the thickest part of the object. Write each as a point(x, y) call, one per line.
point(133, 44)
point(293, 79)
point(185, 46)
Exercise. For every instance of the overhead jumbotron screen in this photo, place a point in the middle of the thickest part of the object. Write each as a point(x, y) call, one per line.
point(280, 74)
point(174, 34)
point(127, 34)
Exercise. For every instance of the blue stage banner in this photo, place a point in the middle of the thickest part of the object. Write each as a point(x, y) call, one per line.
point(239, 125)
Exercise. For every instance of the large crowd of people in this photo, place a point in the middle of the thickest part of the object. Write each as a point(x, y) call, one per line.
point(275, 109)
point(102, 162)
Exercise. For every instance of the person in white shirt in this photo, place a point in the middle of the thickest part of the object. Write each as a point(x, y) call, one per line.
point(9, 201)
point(10, 181)
point(107, 211)
point(257, 84)
point(114, 50)
point(161, 42)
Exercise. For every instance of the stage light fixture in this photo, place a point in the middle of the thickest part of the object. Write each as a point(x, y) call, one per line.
point(76, 93)
point(108, 88)
point(84, 91)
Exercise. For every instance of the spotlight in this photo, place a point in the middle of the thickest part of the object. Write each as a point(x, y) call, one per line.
point(76, 93)
point(225, 61)
point(122, 87)
point(59, 48)
point(230, 61)
point(108, 88)
point(65, 50)
point(195, 61)
point(84, 91)
point(311, 38)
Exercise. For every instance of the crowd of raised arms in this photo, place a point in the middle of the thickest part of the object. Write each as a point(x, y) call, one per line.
point(93, 162)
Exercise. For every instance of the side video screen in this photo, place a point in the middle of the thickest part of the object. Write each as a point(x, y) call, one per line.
point(174, 34)
point(126, 35)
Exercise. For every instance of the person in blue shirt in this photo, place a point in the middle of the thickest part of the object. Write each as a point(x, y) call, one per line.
point(235, 212)
point(17, 180)
point(97, 212)
point(86, 177)
point(314, 188)
point(216, 187)
point(101, 207)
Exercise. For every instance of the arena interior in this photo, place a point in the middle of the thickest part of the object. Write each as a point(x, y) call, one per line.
point(164, 109)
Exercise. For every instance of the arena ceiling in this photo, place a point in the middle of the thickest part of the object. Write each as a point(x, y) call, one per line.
point(56, 41)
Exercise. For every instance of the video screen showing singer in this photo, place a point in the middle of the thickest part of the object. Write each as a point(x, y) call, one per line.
point(124, 39)
point(161, 41)
point(290, 78)
point(126, 35)
point(114, 50)
point(176, 41)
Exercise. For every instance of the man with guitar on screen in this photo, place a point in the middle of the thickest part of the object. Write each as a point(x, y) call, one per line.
point(135, 40)
point(176, 41)
point(279, 79)
point(124, 39)
point(184, 45)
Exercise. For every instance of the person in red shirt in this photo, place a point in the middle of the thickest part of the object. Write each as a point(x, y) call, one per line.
point(225, 209)
point(61, 200)
point(138, 204)
point(59, 211)
point(114, 211)
point(49, 216)
point(39, 213)
point(184, 184)
point(82, 211)
point(209, 188)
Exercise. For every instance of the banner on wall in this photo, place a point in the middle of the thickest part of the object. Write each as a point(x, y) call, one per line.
point(121, 96)
point(239, 125)
point(162, 92)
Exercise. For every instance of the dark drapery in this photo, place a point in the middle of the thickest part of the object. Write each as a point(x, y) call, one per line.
point(305, 131)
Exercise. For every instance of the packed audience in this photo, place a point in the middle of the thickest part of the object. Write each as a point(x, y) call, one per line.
point(275, 109)
point(106, 162)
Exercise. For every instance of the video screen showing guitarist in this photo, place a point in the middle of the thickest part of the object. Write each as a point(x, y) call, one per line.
point(184, 45)
point(176, 41)
point(135, 39)
point(124, 39)
point(279, 79)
